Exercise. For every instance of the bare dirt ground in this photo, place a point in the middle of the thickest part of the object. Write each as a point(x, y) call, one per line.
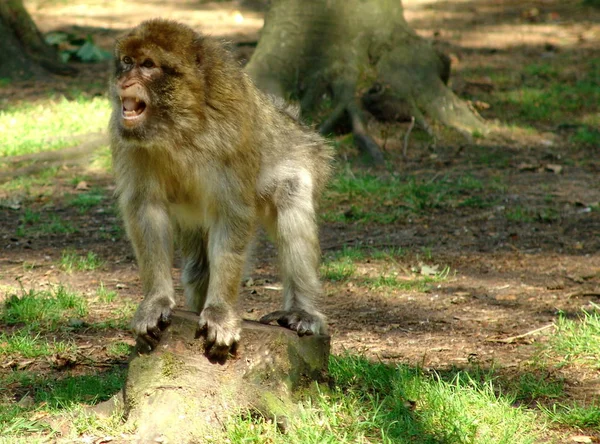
point(508, 276)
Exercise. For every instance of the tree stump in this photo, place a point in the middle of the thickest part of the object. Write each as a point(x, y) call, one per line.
point(175, 394)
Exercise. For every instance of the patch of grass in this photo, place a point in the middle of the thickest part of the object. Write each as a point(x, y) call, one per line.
point(577, 340)
point(519, 214)
point(546, 97)
point(535, 386)
point(373, 402)
point(119, 350)
point(586, 136)
point(386, 199)
point(576, 415)
point(42, 308)
point(28, 345)
point(14, 423)
point(71, 261)
point(104, 295)
point(84, 201)
point(23, 343)
point(30, 217)
point(60, 399)
point(338, 270)
point(50, 124)
point(33, 225)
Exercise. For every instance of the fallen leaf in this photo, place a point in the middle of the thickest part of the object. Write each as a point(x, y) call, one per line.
point(427, 270)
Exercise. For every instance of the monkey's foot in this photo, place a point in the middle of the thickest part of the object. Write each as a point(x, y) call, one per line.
point(221, 328)
point(150, 320)
point(302, 322)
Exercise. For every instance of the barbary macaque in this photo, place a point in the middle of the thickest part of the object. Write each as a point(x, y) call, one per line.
point(201, 156)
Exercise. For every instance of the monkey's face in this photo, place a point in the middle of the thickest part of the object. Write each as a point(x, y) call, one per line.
point(155, 75)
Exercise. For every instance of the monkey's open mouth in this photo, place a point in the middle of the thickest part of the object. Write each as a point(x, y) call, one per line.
point(133, 108)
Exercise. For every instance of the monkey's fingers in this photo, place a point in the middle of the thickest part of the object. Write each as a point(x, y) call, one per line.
point(219, 343)
point(299, 321)
point(275, 316)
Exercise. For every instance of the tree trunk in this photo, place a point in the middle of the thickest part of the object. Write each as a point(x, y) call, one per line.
point(174, 394)
point(362, 54)
point(23, 51)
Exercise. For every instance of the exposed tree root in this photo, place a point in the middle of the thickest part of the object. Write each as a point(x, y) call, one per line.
point(339, 48)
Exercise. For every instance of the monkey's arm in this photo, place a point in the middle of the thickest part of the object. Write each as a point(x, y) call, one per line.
point(227, 250)
point(150, 231)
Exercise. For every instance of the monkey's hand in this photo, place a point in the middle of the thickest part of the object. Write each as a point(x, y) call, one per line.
point(151, 319)
point(301, 321)
point(221, 327)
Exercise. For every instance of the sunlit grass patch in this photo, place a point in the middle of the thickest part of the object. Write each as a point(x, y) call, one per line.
point(50, 124)
point(27, 344)
point(105, 295)
point(374, 402)
point(338, 270)
point(575, 415)
point(119, 350)
point(42, 308)
point(71, 261)
point(577, 340)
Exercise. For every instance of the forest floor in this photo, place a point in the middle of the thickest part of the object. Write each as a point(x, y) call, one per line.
point(460, 254)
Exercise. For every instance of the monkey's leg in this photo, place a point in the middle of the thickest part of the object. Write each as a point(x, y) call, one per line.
point(299, 253)
point(227, 249)
point(150, 231)
point(196, 272)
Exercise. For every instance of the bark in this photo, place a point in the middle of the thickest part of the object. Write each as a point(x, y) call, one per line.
point(363, 55)
point(174, 394)
point(23, 51)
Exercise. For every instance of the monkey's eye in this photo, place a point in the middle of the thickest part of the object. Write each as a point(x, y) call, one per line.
point(148, 63)
point(127, 60)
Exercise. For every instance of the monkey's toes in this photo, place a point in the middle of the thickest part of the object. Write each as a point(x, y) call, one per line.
point(148, 324)
point(300, 321)
point(221, 330)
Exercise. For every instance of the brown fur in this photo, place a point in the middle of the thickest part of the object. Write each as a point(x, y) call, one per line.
point(208, 158)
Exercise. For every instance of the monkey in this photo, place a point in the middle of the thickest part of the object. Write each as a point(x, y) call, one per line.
point(201, 158)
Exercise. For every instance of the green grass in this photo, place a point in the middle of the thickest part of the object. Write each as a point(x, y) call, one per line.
point(71, 261)
point(576, 415)
point(50, 124)
point(33, 224)
point(24, 343)
point(63, 397)
point(586, 136)
point(373, 402)
point(386, 199)
point(577, 340)
point(104, 295)
point(84, 201)
point(338, 270)
point(119, 350)
point(43, 308)
point(549, 97)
